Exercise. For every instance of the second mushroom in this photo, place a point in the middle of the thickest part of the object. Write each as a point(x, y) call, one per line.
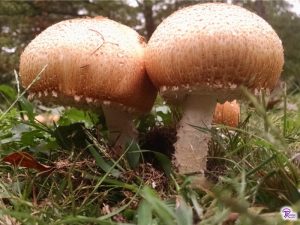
point(201, 55)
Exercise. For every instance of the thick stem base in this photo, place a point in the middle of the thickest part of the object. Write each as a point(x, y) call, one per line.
point(191, 147)
point(120, 125)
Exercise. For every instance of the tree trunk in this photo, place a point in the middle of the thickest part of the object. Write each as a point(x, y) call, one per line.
point(148, 14)
point(260, 8)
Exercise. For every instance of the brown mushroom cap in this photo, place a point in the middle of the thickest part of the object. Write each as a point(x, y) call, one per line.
point(213, 48)
point(89, 61)
point(227, 114)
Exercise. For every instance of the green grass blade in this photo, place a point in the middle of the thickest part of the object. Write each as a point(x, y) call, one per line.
point(144, 213)
point(184, 213)
point(165, 213)
point(102, 163)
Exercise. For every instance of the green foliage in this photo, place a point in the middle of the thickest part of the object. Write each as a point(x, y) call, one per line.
point(8, 93)
point(90, 185)
point(100, 162)
point(160, 208)
point(133, 154)
point(73, 115)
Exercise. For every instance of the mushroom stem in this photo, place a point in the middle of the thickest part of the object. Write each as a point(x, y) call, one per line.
point(191, 147)
point(120, 125)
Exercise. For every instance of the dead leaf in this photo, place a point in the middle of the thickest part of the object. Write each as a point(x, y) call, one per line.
point(23, 159)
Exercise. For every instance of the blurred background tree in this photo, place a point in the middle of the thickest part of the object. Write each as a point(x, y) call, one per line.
point(21, 21)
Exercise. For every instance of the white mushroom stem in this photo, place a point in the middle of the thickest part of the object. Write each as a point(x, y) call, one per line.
point(191, 147)
point(120, 125)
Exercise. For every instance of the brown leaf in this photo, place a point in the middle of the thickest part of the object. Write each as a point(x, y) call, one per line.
point(23, 159)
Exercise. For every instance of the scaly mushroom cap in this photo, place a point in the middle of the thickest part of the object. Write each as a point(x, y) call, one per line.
point(89, 61)
point(213, 48)
point(227, 114)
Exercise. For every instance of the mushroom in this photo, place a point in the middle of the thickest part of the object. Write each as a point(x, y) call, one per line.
point(227, 114)
point(91, 63)
point(201, 55)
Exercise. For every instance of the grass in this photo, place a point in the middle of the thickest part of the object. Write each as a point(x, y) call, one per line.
point(250, 168)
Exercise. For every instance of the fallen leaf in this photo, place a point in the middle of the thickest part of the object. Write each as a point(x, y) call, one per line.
point(23, 159)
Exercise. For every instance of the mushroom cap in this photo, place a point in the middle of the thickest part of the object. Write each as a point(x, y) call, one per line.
point(227, 114)
point(90, 61)
point(213, 48)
